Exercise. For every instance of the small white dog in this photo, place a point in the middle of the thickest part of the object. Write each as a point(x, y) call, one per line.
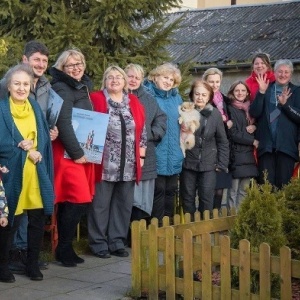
point(190, 121)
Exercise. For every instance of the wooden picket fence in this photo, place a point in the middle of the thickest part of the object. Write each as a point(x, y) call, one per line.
point(165, 259)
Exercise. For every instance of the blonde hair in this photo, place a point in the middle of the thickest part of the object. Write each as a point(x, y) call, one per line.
point(136, 68)
point(166, 69)
point(212, 71)
point(118, 69)
point(64, 56)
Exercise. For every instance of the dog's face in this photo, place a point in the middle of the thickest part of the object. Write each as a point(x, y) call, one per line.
point(187, 106)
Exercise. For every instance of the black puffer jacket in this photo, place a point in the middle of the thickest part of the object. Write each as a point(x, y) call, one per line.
point(156, 126)
point(211, 150)
point(75, 94)
point(242, 162)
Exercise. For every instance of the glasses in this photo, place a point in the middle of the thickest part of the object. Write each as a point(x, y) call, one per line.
point(73, 66)
point(117, 78)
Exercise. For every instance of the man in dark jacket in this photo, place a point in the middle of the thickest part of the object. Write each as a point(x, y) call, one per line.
point(276, 109)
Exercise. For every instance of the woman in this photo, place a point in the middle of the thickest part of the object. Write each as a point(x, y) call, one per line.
point(156, 129)
point(25, 149)
point(123, 156)
point(261, 65)
point(213, 77)
point(162, 83)
point(242, 164)
point(74, 177)
point(209, 155)
point(276, 109)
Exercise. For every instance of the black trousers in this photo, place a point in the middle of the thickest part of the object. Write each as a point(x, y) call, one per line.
point(164, 196)
point(35, 233)
point(279, 167)
point(193, 181)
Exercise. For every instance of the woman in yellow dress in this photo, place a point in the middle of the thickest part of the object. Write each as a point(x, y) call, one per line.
point(25, 148)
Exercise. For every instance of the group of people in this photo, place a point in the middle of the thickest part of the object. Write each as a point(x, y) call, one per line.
point(142, 159)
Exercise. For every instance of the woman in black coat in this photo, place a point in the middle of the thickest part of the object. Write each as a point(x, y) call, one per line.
point(242, 164)
point(209, 156)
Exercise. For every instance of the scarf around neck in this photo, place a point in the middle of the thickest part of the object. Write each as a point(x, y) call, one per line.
point(245, 107)
point(219, 103)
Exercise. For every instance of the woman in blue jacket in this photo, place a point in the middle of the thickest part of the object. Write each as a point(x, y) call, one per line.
point(162, 83)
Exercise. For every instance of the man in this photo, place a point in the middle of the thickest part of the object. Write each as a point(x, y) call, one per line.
point(36, 56)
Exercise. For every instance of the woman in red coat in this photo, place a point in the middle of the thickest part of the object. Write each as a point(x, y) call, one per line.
point(74, 178)
point(123, 156)
point(261, 64)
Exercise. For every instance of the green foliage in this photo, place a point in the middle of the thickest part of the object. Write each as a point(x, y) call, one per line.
point(105, 31)
point(290, 210)
point(259, 220)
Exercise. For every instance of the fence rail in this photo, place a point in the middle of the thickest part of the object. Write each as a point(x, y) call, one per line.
point(165, 259)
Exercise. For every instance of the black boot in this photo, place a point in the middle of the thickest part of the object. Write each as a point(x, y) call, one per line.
point(68, 216)
point(36, 221)
point(16, 264)
point(5, 242)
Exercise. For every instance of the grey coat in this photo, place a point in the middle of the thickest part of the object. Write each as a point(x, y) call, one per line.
point(156, 126)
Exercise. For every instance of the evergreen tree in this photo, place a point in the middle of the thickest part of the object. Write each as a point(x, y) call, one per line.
point(105, 31)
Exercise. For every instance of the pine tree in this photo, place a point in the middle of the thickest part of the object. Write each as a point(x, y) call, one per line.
point(105, 31)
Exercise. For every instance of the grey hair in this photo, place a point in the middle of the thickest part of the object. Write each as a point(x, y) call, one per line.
point(17, 69)
point(284, 62)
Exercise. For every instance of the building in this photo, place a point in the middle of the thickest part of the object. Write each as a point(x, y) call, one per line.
point(227, 37)
point(203, 4)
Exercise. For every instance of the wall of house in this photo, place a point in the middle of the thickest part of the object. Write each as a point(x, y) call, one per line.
point(230, 76)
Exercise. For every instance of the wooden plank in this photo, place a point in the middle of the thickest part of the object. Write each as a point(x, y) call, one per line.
point(153, 263)
point(265, 271)
point(170, 263)
point(206, 267)
point(244, 270)
point(225, 265)
point(188, 291)
point(285, 273)
point(136, 271)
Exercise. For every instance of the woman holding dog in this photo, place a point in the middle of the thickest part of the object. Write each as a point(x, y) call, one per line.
point(209, 156)
point(213, 77)
point(162, 83)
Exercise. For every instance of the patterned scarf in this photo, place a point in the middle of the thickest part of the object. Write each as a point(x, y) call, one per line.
point(219, 103)
point(245, 107)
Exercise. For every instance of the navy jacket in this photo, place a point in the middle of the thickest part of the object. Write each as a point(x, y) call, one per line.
point(287, 127)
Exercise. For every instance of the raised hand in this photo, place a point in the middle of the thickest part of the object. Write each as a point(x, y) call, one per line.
point(263, 82)
point(283, 97)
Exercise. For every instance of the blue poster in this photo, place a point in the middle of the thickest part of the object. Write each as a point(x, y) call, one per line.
point(90, 129)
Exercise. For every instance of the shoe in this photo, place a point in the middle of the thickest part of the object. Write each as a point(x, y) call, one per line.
point(77, 259)
point(23, 255)
point(34, 273)
point(43, 264)
point(120, 253)
point(103, 254)
point(16, 264)
point(6, 275)
point(69, 263)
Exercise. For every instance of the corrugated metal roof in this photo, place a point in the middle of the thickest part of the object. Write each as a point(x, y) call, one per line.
point(228, 36)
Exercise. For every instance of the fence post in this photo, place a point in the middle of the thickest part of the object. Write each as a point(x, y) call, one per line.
point(206, 267)
point(153, 262)
point(244, 270)
point(188, 284)
point(225, 266)
point(285, 273)
point(264, 271)
point(170, 263)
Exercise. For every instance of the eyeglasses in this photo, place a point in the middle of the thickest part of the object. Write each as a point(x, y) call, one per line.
point(73, 66)
point(117, 78)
